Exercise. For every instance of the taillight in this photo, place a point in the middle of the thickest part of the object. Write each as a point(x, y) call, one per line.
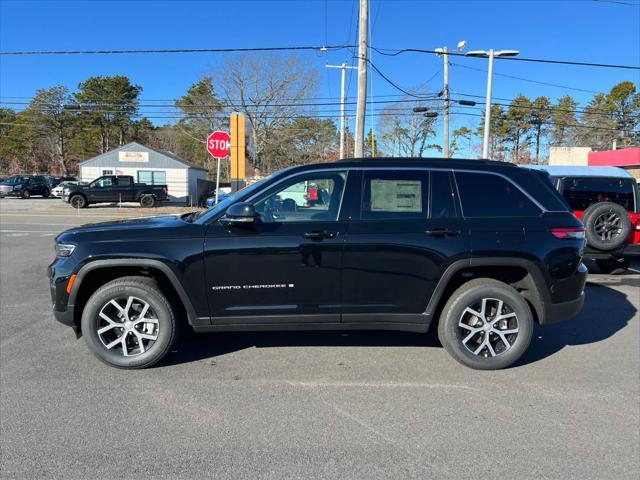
point(166, 190)
point(568, 232)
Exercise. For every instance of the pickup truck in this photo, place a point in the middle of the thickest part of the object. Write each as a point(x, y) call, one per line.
point(114, 188)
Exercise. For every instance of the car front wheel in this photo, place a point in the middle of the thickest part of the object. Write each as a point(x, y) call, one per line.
point(486, 325)
point(26, 194)
point(129, 323)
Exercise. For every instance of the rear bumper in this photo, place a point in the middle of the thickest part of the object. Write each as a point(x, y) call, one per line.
point(627, 250)
point(631, 250)
point(556, 312)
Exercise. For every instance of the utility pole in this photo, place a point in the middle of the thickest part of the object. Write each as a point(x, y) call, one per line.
point(342, 102)
point(444, 51)
point(361, 106)
point(445, 56)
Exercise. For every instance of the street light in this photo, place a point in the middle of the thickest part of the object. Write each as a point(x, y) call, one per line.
point(487, 114)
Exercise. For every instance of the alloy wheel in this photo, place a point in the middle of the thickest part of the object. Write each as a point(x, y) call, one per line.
point(488, 328)
point(608, 226)
point(128, 326)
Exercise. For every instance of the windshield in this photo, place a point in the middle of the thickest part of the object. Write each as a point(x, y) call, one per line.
point(224, 204)
point(15, 180)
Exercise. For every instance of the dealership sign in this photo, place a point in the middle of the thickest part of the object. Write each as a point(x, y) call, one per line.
point(142, 157)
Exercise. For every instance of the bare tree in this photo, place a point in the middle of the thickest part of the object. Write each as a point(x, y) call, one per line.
point(405, 133)
point(267, 89)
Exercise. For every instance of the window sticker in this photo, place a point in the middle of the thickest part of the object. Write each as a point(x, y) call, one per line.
point(396, 195)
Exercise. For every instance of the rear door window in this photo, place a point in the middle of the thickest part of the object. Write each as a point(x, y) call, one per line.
point(394, 194)
point(580, 193)
point(443, 202)
point(488, 195)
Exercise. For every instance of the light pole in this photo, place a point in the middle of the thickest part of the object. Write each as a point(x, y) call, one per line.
point(444, 52)
point(487, 113)
point(342, 101)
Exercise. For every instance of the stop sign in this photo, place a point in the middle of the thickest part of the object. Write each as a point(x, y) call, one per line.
point(218, 144)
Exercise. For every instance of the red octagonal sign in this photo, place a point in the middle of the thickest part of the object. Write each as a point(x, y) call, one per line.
point(218, 144)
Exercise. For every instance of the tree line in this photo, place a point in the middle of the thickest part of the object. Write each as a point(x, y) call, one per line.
point(58, 128)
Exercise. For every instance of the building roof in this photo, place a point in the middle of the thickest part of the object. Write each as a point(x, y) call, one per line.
point(127, 147)
point(581, 171)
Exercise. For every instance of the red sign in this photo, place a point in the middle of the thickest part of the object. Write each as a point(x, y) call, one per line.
point(218, 144)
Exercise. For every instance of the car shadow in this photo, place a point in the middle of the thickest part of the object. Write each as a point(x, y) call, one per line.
point(606, 311)
point(593, 324)
point(194, 347)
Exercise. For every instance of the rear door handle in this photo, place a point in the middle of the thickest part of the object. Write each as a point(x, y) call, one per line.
point(319, 235)
point(442, 232)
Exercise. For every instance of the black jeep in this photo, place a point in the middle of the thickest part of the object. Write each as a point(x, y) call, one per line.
point(480, 249)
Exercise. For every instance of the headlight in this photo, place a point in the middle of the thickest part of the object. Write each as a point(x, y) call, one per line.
point(17, 187)
point(64, 249)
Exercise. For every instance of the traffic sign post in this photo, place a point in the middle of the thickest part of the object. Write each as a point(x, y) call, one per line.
point(218, 147)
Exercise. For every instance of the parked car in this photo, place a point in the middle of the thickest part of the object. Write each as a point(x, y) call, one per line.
point(112, 189)
point(57, 190)
point(401, 244)
point(607, 201)
point(25, 186)
point(211, 199)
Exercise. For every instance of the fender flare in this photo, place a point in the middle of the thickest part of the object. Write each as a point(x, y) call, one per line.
point(136, 262)
point(539, 299)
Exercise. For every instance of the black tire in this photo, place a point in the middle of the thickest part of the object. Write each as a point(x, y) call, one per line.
point(145, 290)
point(46, 193)
point(147, 201)
point(613, 266)
point(607, 225)
point(472, 293)
point(78, 201)
point(26, 194)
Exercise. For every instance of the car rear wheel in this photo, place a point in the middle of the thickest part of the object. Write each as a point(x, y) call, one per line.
point(129, 323)
point(46, 193)
point(486, 325)
point(607, 225)
point(147, 201)
point(78, 201)
point(614, 266)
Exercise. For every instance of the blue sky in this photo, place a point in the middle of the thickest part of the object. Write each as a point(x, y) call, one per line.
point(582, 30)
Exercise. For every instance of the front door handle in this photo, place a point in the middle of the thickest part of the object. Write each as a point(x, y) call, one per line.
point(319, 235)
point(442, 232)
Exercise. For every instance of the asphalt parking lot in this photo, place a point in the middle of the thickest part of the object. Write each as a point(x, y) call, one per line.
point(309, 405)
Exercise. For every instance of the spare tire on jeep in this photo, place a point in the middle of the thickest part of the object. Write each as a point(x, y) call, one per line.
point(607, 225)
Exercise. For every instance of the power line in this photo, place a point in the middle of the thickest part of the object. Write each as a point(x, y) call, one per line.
point(394, 52)
point(221, 105)
point(321, 48)
point(527, 79)
point(576, 125)
point(392, 83)
point(617, 2)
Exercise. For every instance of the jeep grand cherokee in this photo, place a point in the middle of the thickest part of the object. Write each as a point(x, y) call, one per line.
point(480, 249)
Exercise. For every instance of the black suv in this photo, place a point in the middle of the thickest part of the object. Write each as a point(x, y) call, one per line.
point(482, 249)
point(25, 186)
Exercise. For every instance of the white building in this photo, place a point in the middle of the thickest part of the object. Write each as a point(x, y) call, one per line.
point(147, 165)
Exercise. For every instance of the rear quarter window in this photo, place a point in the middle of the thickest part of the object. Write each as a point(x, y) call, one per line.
point(488, 195)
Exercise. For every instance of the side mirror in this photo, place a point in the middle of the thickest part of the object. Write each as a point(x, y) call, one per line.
point(239, 214)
